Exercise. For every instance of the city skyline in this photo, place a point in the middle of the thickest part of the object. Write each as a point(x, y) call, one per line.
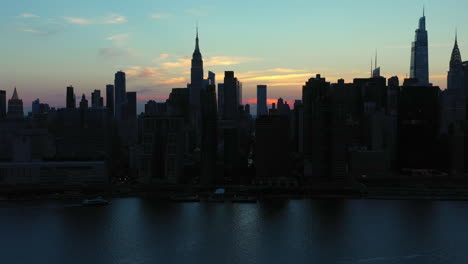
point(164, 71)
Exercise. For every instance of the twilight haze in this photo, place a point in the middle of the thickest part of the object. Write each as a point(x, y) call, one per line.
point(48, 45)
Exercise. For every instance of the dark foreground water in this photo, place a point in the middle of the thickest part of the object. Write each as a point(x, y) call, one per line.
point(141, 231)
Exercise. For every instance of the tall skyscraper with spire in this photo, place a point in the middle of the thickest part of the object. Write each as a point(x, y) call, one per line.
point(196, 77)
point(455, 77)
point(419, 54)
point(195, 88)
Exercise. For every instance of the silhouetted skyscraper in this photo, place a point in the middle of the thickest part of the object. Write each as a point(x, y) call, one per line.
point(110, 98)
point(71, 99)
point(231, 101)
point(2, 104)
point(15, 106)
point(455, 76)
point(96, 99)
point(83, 103)
point(272, 147)
point(262, 108)
point(420, 54)
point(197, 84)
point(131, 105)
point(35, 106)
point(211, 78)
point(221, 100)
point(418, 127)
point(454, 97)
point(120, 95)
point(239, 92)
point(209, 135)
point(324, 131)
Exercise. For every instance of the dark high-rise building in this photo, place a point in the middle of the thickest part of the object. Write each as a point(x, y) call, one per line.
point(221, 100)
point(418, 127)
point(324, 132)
point(211, 78)
point(272, 152)
point(15, 106)
point(465, 73)
point(196, 85)
point(454, 98)
point(178, 103)
point(35, 106)
point(196, 77)
point(120, 95)
point(455, 77)
point(83, 103)
point(209, 135)
point(231, 92)
point(96, 99)
point(239, 92)
point(110, 98)
point(131, 105)
point(262, 108)
point(153, 108)
point(420, 55)
point(71, 99)
point(2, 104)
point(393, 81)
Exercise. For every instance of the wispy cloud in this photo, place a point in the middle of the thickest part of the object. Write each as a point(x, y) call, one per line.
point(118, 37)
point(78, 20)
point(179, 63)
point(160, 16)
point(226, 60)
point(139, 72)
point(115, 19)
point(210, 61)
point(27, 15)
point(172, 81)
point(30, 30)
point(111, 19)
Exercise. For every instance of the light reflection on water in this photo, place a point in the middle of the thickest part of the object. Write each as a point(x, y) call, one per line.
point(134, 230)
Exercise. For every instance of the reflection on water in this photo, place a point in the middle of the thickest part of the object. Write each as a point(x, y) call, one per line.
point(135, 230)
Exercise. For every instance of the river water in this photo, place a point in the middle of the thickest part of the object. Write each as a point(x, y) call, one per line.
point(134, 230)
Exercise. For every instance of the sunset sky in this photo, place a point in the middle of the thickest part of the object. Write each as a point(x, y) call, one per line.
point(49, 44)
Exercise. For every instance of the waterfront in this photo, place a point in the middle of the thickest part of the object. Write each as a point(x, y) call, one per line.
point(134, 230)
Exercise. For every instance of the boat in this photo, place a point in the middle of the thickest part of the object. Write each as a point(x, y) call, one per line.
point(99, 201)
point(244, 199)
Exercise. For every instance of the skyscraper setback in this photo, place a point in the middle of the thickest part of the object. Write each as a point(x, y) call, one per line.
point(420, 55)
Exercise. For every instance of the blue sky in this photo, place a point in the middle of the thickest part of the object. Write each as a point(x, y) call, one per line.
point(50, 44)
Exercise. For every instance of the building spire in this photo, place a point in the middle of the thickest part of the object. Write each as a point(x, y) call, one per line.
point(197, 47)
point(424, 10)
point(15, 95)
point(455, 59)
